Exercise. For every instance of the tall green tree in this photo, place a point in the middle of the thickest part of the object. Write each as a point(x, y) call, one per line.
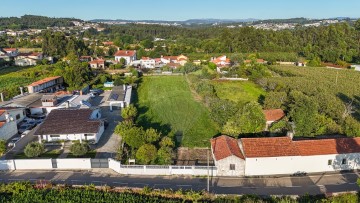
point(248, 120)
point(146, 154)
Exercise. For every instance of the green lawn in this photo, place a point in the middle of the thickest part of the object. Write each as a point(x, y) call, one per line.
point(238, 90)
point(166, 104)
point(90, 154)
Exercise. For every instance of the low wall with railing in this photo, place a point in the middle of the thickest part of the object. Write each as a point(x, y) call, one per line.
point(86, 164)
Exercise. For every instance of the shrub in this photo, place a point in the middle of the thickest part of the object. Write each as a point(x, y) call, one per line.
point(79, 149)
point(34, 149)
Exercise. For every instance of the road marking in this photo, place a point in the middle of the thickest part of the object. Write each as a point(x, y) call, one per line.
point(352, 183)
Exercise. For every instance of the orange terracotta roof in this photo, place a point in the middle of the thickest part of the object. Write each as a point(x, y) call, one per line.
point(9, 49)
point(97, 61)
point(225, 146)
point(35, 54)
point(273, 114)
point(45, 80)
point(269, 147)
point(2, 123)
point(125, 53)
point(328, 146)
point(2, 112)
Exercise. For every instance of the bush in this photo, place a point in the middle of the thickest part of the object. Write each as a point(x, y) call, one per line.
point(79, 149)
point(34, 149)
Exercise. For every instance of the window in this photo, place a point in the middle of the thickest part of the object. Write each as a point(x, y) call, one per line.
point(232, 167)
point(343, 161)
point(329, 162)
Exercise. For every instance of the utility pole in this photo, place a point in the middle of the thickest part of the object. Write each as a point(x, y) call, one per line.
point(208, 176)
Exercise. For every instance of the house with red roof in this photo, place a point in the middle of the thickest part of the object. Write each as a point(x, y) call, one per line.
point(97, 64)
point(273, 115)
point(282, 155)
point(128, 55)
point(50, 84)
point(11, 52)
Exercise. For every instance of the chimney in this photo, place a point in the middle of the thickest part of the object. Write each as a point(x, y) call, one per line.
point(2, 97)
point(22, 90)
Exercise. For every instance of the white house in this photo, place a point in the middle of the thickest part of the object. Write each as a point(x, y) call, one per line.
point(356, 67)
point(97, 64)
point(282, 155)
point(147, 62)
point(227, 156)
point(71, 124)
point(25, 62)
point(12, 52)
point(128, 55)
point(14, 113)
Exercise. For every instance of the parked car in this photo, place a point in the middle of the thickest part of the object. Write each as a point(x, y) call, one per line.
point(24, 127)
point(25, 133)
point(13, 141)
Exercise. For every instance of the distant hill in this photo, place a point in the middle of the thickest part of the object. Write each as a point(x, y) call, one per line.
point(35, 22)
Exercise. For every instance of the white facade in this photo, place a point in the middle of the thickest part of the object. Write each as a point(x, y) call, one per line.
point(95, 137)
point(25, 62)
point(8, 129)
point(307, 164)
point(230, 166)
point(148, 63)
point(16, 114)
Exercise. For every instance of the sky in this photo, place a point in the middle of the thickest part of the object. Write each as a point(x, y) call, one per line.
point(181, 10)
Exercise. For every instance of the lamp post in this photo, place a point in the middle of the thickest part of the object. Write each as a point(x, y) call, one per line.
point(208, 176)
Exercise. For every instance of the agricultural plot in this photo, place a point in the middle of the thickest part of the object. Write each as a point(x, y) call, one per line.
point(237, 91)
point(166, 104)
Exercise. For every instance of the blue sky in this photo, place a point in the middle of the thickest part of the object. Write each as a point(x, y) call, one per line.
point(181, 10)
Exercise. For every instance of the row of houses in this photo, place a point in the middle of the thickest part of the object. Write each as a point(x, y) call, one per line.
point(22, 59)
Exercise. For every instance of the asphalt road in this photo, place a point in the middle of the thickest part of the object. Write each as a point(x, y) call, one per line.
point(315, 184)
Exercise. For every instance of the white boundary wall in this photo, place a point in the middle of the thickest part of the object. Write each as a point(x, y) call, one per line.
point(73, 163)
point(30, 164)
point(161, 170)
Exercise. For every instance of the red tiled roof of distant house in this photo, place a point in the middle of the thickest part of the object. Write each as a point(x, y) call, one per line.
point(9, 49)
point(2, 123)
point(219, 60)
point(108, 43)
point(45, 80)
point(35, 54)
point(328, 146)
point(273, 114)
point(225, 146)
point(97, 61)
point(125, 53)
point(145, 58)
point(269, 147)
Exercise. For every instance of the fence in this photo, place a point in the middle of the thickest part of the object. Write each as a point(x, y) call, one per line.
point(86, 164)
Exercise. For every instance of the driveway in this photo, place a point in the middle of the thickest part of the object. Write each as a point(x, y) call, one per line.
point(21, 144)
point(109, 142)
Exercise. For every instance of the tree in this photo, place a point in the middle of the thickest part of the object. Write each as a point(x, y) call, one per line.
point(303, 112)
point(151, 135)
point(146, 154)
point(2, 147)
point(222, 110)
point(164, 156)
point(79, 149)
point(275, 100)
point(166, 142)
point(249, 119)
point(129, 113)
point(315, 62)
point(34, 149)
point(134, 137)
point(351, 127)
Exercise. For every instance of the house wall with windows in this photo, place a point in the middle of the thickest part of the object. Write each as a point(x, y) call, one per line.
point(7, 129)
point(230, 166)
point(296, 164)
point(17, 114)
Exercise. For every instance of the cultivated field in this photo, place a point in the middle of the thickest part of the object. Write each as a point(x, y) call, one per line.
point(236, 91)
point(166, 103)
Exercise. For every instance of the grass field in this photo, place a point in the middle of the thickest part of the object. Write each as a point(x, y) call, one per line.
point(236, 91)
point(166, 104)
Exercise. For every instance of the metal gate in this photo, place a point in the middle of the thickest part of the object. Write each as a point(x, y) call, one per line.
point(99, 163)
point(54, 163)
